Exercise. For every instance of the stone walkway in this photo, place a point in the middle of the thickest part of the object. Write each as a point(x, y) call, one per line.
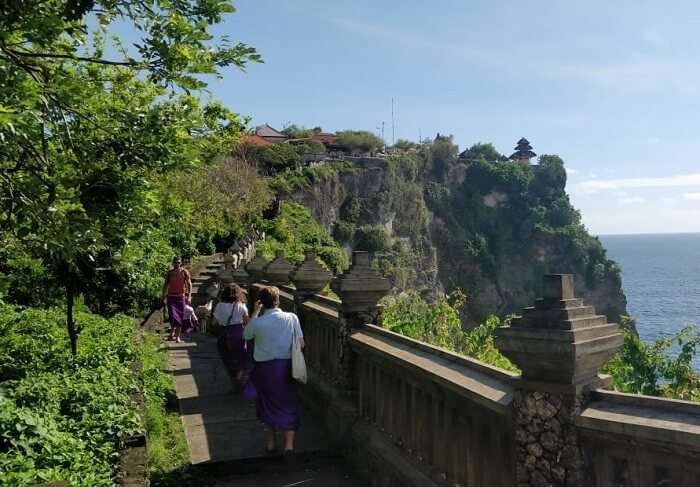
point(221, 426)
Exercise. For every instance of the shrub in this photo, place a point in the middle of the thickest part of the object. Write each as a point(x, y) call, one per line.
point(63, 417)
point(359, 141)
point(652, 368)
point(439, 324)
point(294, 232)
point(372, 238)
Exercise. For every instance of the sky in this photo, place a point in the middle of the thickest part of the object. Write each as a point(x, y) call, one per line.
point(611, 87)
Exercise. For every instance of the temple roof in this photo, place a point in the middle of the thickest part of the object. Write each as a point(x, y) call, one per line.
point(267, 131)
point(523, 150)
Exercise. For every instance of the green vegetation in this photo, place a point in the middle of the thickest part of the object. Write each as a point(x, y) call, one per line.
point(294, 131)
point(653, 369)
point(294, 232)
point(439, 324)
point(88, 139)
point(639, 368)
point(64, 417)
point(168, 453)
point(109, 166)
point(292, 180)
point(359, 141)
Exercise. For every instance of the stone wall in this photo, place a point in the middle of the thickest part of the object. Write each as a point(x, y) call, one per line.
point(405, 413)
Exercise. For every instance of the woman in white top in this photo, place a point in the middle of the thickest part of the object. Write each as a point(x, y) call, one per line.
point(232, 314)
point(276, 402)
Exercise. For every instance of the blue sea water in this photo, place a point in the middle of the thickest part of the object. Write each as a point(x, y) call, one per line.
point(661, 278)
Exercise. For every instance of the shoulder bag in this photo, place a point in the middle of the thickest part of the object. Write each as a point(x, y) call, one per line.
point(298, 362)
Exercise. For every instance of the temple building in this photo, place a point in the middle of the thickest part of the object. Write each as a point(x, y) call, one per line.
point(523, 152)
point(270, 134)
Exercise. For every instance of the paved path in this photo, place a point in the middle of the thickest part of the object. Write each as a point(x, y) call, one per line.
point(221, 426)
point(324, 476)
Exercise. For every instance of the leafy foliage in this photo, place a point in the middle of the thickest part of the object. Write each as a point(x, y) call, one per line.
point(295, 232)
point(439, 324)
point(359, 141)
point(372, 238)
point(486, 151)
point(294, 131)
point(86, 139)
point(653, 368)
point(64, 417)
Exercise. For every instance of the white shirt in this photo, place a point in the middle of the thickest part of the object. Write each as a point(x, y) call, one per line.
point(273, 334)
point(224, 316)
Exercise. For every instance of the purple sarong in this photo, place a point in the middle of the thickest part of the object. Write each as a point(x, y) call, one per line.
point(176, 309)
point(276, 403)
point(232, 348)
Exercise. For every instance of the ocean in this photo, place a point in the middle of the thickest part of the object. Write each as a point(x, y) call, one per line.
point(661, 278)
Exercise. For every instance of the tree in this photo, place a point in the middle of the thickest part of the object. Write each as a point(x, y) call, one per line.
point(84, 136)
point(405, 145)
point(294, 131)
point(443, 154)
point(359, 141)
point(487, 151)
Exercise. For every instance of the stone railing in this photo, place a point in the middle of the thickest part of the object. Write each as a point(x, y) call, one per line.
point(408, 414)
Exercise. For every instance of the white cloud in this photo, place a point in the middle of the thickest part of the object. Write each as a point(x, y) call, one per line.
point(668, 201)
point(631, 200)
point(571, 172)
point(643, 75)
point(692, 196)
point(687, 180)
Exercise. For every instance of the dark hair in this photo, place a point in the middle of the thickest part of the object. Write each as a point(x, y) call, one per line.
point(177, 258)
point(270, 297)
point(228, 294)
point(238, 294)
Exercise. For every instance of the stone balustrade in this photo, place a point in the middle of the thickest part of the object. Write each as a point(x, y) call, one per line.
point(405, 413)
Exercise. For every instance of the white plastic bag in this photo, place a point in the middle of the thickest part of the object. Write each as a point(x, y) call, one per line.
point(298, 362)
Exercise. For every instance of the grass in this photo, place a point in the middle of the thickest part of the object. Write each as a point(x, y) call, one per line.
point(168, 454)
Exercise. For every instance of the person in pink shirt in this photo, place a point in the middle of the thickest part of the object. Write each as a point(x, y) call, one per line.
point(189, 320)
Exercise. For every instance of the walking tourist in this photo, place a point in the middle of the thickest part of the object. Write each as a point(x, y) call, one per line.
point(190, 320)
point(232, 314)
point(273, 331)
point(177, 292)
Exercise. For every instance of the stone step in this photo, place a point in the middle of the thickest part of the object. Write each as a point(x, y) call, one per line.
point(587, 321)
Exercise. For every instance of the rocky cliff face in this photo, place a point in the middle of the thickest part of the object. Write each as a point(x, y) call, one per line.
point(464, 230)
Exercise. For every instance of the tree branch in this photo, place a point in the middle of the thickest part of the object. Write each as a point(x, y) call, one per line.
point(50, 55)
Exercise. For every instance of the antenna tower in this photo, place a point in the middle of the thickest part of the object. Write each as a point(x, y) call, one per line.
point(392, 120)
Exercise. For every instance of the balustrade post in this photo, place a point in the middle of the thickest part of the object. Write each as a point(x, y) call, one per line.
point(309, 278)
point(225, 274)
point(277, 272)
point(360, 289)
point(559, 344)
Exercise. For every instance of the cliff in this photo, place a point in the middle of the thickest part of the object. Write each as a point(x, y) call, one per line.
point(492, 229)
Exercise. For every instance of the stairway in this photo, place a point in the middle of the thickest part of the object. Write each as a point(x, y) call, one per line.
point(224, 436)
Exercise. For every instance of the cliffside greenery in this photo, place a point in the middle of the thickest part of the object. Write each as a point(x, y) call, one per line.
point(295, 232)
point(359, 141)
point(439, 324)
point(660, 368)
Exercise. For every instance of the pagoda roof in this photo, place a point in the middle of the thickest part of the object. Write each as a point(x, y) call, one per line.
point(522, 154)
point(267, 131)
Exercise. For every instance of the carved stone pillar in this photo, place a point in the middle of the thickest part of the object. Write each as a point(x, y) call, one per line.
point(360, 289)
point(225, 274)
point(309, 278)
point(559, 344)
point(277, 272)
point(255, 268)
